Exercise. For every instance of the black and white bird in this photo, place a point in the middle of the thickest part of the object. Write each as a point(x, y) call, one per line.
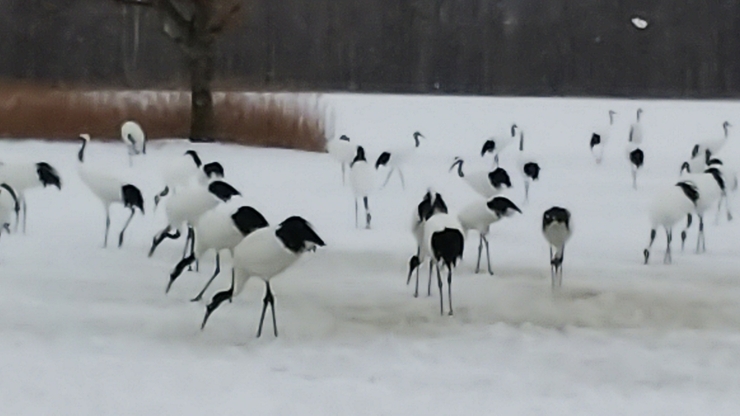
point(713, 145)
point(668, 207)
point(600, 137)
point(133, 135)
point(431, 204)
point(636, 157)
point(8, 205)
point(184, 170)
point(363, 178)
point(528, 166)
point(496, 144)
point(109, 190)
point(730, 178)
point(185, 208)
point(636, 134)
point(342, 151)
point(710, 186)
point(486, 183)
point(23, 177)
point(221, 228)
point(397, 158)
point(635, 154)
point(265, 254)
point(444, 242)
point(637, 160)
point(479, 215)
point(557, 227)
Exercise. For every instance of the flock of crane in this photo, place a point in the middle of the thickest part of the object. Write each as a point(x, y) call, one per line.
point(196, 198)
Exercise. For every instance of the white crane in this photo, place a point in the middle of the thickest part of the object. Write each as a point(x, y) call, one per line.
point(396, 158)
point(24, 176)
point(669, 206)
point(479, 215)
point(557, 227)
point(109, 190)
point(342, 151)
point(266, 253)
point(363, 180)
point(221, 228)
point(133, 136)
point(431, 204)
point(486, 183)
point(600, 137)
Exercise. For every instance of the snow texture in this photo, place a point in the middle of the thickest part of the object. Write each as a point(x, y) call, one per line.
point(89, 331)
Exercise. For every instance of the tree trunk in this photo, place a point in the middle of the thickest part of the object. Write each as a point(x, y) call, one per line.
point(201, 66)
point(201, 115)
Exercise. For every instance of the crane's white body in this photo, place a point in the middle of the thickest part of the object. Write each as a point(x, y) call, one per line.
point(215, 230)
point(20, 176)
point(503, 141)
point(479, 181)
point(182, 171)
point(105, 186)
point(187, 205)
point(260, 254)
point(24, 176)
point(108, 188)
point(525, 157)
point(604, 133)
point(133, 136)
point(667, 207)
point(363, 179)
point(343, 151)
point(713, 145)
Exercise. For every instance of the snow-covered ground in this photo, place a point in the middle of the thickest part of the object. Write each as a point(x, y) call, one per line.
point(89, 331)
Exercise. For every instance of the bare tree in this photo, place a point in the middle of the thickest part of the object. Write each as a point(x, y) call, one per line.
point(194, 25)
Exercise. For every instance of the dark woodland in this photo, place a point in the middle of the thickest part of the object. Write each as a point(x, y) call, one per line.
point(691, 48)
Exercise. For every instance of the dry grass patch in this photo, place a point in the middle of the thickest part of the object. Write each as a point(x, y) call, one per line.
point(295, 121)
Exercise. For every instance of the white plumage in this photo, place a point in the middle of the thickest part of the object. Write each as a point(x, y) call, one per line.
point(431, 204)
point(109, 190)
point(265, 254)
point(181, 171)
point(444, 240)
point(220, 228)
point(479, 215)
point(395, 159)
point(730, 178)
point(527, 165)
point(710, 187)
point(186, 207)
point(24, 176)
point(667, 207)
point(133, 135)
point(557, 227)
point(713, 145)
point(363, 178)
point(342, 151)
point(497, 144)
point(484, 182)
point(600, 137)
point(636, 133)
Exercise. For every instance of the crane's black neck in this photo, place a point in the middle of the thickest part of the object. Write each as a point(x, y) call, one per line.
point(81, 153)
